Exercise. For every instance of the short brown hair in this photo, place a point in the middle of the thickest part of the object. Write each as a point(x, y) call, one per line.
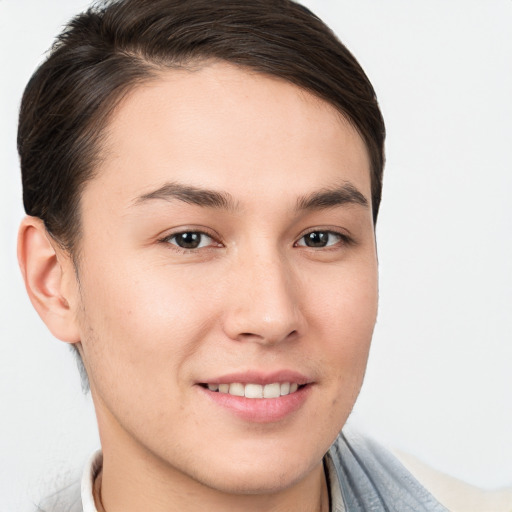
point(106, 50)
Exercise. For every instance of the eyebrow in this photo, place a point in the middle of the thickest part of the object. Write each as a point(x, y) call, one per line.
point(346, 194)
point(191, 195)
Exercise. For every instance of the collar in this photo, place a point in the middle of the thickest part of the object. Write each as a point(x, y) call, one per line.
point(91, 471)
point(335, 497)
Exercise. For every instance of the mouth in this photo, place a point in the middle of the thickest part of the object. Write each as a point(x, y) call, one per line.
point(257, 396)
point(254, 390)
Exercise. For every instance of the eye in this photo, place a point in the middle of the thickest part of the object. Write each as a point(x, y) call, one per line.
point(319, 239)
point(190, 240)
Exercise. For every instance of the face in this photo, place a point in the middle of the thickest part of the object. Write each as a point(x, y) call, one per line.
point(228, 249)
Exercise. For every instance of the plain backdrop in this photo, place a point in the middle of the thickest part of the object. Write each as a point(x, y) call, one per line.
point(439, 380)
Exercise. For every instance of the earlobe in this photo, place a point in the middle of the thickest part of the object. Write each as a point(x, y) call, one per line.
point(46, 272)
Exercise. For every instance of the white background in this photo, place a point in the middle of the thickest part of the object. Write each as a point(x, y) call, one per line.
point(439, 382)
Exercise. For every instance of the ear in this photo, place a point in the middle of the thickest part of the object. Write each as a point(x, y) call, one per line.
point(50, 279)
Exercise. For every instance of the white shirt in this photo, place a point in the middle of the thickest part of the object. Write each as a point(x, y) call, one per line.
point(91, 470)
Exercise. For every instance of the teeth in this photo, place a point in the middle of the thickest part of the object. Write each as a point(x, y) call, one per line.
point(236, 389)
point(253, 391)
point(274, 390)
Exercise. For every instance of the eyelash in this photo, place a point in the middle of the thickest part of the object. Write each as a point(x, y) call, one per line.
point(185, 250)
point(343, 240)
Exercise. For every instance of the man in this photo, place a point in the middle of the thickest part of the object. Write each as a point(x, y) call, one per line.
point(202, 182)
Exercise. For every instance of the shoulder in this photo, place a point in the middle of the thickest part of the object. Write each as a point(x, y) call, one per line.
point(455, 494)
point(371, 478)
point(68, 499)
point(78, 496)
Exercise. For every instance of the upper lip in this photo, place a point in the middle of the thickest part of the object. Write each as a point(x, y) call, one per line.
point(260, 377)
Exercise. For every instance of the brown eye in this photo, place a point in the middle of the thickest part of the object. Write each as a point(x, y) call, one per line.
point(190, 240)
point(319, 239)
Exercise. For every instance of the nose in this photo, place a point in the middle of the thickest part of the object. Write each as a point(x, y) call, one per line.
point(264, 302)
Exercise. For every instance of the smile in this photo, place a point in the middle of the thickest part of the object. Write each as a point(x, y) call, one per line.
point(259, 397)
point(249, 390)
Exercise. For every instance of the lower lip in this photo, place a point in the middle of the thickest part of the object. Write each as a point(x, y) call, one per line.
point(260, 410)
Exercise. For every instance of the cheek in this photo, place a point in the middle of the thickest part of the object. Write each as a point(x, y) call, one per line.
point(344, 303)
point(344, 316)
point(137, 299)
point(143, 323)
point(142, 329)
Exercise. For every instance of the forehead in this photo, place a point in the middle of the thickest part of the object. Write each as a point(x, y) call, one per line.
point(226, 127)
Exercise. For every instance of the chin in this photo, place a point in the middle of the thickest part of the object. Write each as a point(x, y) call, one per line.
point(254, 480)
point(266, 471)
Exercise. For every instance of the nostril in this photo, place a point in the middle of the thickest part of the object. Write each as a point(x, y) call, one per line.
point(263, 322)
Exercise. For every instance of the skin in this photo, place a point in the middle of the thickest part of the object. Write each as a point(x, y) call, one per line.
point(154, 320)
